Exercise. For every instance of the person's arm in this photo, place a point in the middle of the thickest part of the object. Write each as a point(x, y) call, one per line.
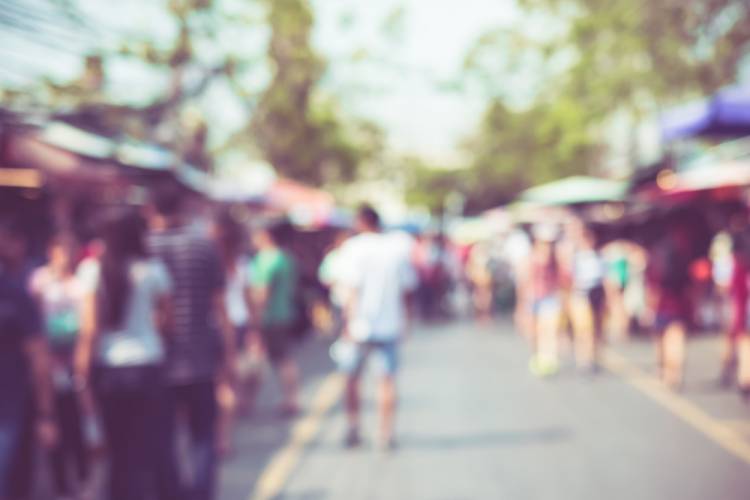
point(229, 342)
point(163, 305)
point(164, 315)
point(219, 305)
point(349, 310)
point(261, 277)
point(40, 364)
point(86, 338)
point(409, 284)
point(253, 343)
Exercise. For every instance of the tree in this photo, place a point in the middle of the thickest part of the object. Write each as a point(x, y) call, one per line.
point(598, 58)
point(631, 52)
point(287, 118)
point(300, 131)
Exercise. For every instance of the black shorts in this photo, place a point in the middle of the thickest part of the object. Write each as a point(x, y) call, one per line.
point(597, 299)
point(277, 339)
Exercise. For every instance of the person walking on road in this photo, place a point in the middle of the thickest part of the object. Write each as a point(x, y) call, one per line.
point(25, 380)
point(379, 278)
point(200, 348)
point(739, 293)
point(60, 296)
point(121, 351)
point(274, 283)
point(587, 299)
point(543, 278)
point(671, 285)
point(230, 237)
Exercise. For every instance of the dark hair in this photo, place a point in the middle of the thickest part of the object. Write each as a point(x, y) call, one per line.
point(369, 216)
point(230, 237)
point(168, 197)
point(281, 232)
point(123, 233)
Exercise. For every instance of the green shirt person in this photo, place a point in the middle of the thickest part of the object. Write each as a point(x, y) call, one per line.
point(274, 273)
point(273, 277)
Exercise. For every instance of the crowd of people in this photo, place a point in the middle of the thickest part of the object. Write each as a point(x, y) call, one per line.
point(571, 287)
point(155, 330)
point(123, 342)
point(157, 327)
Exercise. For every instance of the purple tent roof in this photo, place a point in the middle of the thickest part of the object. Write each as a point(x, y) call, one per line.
point(727, 113)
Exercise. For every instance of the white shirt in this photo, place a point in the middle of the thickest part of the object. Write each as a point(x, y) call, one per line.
point(589, 270)
point(378, 271)
point(235, 295)
point(138, 342)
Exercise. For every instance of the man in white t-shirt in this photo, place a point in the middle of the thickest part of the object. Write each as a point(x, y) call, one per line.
point(378, 276)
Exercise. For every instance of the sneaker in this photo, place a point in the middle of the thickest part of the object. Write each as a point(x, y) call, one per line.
point(543, 368)
point(387, 444)
point(352, 439)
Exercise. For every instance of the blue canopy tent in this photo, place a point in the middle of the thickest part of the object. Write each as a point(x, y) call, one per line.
point(725, 114)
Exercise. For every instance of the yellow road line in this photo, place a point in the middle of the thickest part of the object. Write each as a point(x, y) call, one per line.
point(742, 426)
point(724, 435)
point(273, 478)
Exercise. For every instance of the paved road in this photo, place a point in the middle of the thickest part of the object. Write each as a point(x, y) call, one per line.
point(475, 425)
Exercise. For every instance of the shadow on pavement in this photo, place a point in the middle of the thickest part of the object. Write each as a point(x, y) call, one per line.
point(305, 495)
point(258, 436)
point(485, 439)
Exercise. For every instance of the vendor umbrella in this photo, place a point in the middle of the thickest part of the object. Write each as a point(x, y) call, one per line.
point(726, 114)
point(575, 190)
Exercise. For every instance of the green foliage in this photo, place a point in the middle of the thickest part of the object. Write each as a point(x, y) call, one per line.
point(517, 149)
point(430, 186)
point(301, 133)
point(597, 58)
point(299, 130)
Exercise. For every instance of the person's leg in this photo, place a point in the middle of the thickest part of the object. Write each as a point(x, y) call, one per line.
point(141, 458)
point(289, 375)
point(352, 401)
point(388, 395)
point(128, 417)
point(227, 405)
point(674, 354)
point(736, 329)
point(202, 415)
point(549, 326)
point(167, 471)
point(12, 418)
point(63, 451)
point(582, 325)
point(660, 361)
point(388, 400)
point(23, 464)
point(598, 317)
point(743, 365)
point(114, 413)
point(278, 346)
point(78, 452)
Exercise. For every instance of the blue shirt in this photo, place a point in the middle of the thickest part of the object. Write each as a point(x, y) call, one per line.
point(19, 323)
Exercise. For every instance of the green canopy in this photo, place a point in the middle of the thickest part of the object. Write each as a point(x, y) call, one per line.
point(575, 190)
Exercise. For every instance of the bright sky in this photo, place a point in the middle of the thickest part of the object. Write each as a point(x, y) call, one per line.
point(410, 99)
point(402, 83)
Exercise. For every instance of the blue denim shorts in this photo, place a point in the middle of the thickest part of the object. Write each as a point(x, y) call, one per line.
point(386, 357)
